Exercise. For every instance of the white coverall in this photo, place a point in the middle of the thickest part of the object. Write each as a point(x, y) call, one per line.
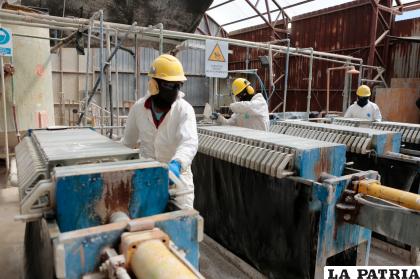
point(369, 112)
point(249, 114)
point(175, 138)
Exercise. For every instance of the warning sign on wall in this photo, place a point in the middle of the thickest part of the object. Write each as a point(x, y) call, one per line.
point(216, 58)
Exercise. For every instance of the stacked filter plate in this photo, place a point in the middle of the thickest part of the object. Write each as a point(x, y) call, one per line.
point(410, 132)
point(351, 122)
point(358, 140)
point(33, 168)
point(272, 154)
point(250, 202)
point(43, 150)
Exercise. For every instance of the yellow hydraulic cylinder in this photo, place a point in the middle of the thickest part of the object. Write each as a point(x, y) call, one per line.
point(153, 260)
point(403, 198)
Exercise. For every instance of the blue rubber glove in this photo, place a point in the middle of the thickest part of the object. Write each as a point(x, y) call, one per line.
point(214, 116)
point(175, 167)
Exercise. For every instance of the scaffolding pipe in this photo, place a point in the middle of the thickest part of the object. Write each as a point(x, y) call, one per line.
point(98, 81)
point(109, 83)
point(308, 105)
point(101, 62)
point(3, 91)
point(328, 81)
point(117, 91)
point(286, 77)
point(14, 105)
point(270, 70)
point(86, 93)
point(160, 26)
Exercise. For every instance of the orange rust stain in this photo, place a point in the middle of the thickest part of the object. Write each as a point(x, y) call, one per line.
point(116, 194)
point(82, 256)
point(39, 70)
point(323, 165)
point(388, 144)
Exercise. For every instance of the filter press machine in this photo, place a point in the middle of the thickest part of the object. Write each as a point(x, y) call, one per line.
point(93, 209)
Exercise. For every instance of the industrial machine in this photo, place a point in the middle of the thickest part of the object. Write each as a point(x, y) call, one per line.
point(410, 132)
point(95, 210)
point(288, 206)
point(367, 149)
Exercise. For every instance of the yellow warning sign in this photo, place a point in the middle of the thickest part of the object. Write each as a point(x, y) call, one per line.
point(216, 54)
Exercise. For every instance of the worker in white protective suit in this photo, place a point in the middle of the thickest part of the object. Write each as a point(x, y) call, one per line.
point(164, 124)
point(250, 112)
point(363, 108)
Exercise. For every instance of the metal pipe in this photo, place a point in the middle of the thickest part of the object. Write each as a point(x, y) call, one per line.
point(109, 83)
point(117, 90)
point(98, 81)
point(375, 189)
point(153, 259)
point(308, 105)
point(52, 21)
point(271, 87)
point(37, 37)
point(286, 77)
point(3, 91)
point(14, 106)
point(160, 26)
point(101, 61)
point(250, 71)
point(86, 93)
point(328, 82)
point(118, 216)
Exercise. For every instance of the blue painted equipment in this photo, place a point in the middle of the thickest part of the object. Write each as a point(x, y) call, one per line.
point(410, 132)
point(286, 204)
point(81, 192)
point(375, 148)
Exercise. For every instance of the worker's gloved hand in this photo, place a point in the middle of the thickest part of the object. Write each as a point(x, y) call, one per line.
point(214, 116)
point(175, 167)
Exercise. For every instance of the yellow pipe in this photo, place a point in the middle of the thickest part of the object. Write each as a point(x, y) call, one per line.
point(403, 198)
point(153, 260)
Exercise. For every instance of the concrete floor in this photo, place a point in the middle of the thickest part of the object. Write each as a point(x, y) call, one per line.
point(215, 262)
point(11, 236)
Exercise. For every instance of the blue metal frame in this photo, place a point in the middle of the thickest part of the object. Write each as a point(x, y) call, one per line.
point(82, 248)
point(334, 236)
point(87, 200)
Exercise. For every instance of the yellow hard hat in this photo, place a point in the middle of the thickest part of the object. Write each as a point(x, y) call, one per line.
point(167, 67)
point(363, 91)
point(240, 84)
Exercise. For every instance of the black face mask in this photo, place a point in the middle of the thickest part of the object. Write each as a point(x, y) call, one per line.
point(244, 96)
point(362, 101)
point(168, 92)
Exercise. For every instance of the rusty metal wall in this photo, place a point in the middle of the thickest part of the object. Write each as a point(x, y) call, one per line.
point(341, 29)
point(405, 56)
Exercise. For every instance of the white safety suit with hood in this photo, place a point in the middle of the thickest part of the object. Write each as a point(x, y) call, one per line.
point(175, 138)
point(249, 114)
point(369, 112)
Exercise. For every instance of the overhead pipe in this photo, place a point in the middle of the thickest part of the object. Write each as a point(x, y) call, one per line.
point(294, 52)
point(52, 21)
point(348, 68)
